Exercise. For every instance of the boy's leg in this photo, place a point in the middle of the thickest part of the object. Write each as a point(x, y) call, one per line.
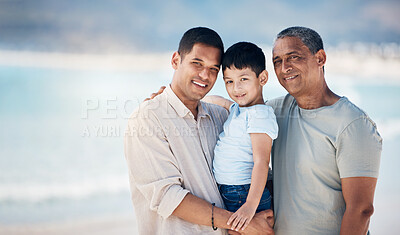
point(234, 196)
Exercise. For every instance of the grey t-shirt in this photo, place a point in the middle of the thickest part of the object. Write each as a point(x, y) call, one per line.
point(313, 151)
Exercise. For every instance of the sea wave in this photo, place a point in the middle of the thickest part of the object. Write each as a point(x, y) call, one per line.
point(39, 192)
point(389, 128)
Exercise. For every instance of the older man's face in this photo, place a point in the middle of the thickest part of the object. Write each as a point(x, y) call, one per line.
point(296, 68)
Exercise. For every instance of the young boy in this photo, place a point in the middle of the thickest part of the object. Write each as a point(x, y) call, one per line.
point(242, 153)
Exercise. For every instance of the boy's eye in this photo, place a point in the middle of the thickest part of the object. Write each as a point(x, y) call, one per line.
point(228, 82)
point(243, 79)
point(196, 63)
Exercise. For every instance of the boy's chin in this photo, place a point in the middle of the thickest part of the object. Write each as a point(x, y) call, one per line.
point(242, 103)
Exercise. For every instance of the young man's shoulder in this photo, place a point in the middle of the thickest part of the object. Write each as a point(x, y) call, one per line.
point(151, 108)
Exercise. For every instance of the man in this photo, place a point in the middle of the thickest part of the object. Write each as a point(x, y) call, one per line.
point(169, 148)
point(326, 158)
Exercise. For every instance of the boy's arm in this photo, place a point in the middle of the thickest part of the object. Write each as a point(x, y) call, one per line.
point(261, 145)
point(218, 100)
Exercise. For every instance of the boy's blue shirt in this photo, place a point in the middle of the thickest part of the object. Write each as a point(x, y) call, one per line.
point(233, 155)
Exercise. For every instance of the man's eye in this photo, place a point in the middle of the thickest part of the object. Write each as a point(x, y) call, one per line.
point(277, 62)
point(196, 63)
point(215, 70)
point(294, 57)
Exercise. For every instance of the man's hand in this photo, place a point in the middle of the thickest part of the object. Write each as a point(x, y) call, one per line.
point(156, 94)
point(242, 217)
point(261, 224)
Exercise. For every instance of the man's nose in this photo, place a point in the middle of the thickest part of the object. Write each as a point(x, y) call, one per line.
point(204, 73)
point(286, 67)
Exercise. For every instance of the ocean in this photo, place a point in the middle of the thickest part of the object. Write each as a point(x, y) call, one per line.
point(61, 140)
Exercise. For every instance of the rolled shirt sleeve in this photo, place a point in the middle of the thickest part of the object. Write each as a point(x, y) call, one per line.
point(359, 149)
point(152, 166)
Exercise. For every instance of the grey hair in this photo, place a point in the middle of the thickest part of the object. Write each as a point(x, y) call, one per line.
point(309, 37)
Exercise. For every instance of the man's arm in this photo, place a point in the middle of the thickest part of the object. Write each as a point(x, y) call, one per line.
point(198, 211)
point(153, 170)
point(358, 193)
point(358, 156)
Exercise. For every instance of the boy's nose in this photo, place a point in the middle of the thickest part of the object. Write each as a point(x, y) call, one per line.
point(237, 86)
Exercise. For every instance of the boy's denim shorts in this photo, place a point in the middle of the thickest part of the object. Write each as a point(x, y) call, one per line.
point(235, 196)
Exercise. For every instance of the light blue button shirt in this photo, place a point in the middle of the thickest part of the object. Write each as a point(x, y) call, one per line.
point(233, 155)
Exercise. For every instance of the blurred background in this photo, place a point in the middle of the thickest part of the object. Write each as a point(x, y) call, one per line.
point(71, 72)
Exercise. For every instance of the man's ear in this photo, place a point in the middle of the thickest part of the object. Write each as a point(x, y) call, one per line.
point(176, 60)
point(321, 57)
point(263, 77)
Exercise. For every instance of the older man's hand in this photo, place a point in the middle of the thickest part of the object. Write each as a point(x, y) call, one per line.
point(155, 94)
point(261, 224)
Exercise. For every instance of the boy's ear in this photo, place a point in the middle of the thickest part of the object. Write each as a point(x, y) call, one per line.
point(263, 77)
point(176, 60)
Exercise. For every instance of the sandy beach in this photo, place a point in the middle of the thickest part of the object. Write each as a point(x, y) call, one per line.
point(120, 225)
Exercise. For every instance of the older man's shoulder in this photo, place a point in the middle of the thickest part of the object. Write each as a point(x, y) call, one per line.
point(350, 111)
point(280, 102)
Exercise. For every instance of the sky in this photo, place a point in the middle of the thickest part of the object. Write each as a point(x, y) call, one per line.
point(122, 26)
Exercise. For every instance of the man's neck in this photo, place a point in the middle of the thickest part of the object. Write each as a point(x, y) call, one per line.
point(190, 104)
point(318, 99)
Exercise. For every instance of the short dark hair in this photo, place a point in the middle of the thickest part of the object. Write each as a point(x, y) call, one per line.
point(309, 37)
point(199, 35)
point(243, 55)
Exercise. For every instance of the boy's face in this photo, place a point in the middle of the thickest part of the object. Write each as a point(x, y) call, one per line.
point(243, 85)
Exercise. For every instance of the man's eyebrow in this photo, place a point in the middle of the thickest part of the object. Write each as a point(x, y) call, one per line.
point(200, 60)
point(289, 53)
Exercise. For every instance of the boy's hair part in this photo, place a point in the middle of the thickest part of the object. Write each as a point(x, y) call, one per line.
point(309, 37)
point(243, 55)
point(201, 35)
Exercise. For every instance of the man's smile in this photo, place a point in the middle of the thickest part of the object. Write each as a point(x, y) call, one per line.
point(290, 78)
point(200, 84)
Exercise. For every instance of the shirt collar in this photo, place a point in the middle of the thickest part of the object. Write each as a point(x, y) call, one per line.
point(180, 108)
point(176, 103)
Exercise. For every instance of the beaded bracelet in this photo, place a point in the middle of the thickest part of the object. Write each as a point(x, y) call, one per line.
point(212, 217)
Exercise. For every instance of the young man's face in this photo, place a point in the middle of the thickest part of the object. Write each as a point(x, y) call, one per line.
point(243, 86)
point(296, 68)
point(196, 73)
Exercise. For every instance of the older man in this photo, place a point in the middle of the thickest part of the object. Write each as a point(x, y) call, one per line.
point(326, 158)
point(169, 148)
